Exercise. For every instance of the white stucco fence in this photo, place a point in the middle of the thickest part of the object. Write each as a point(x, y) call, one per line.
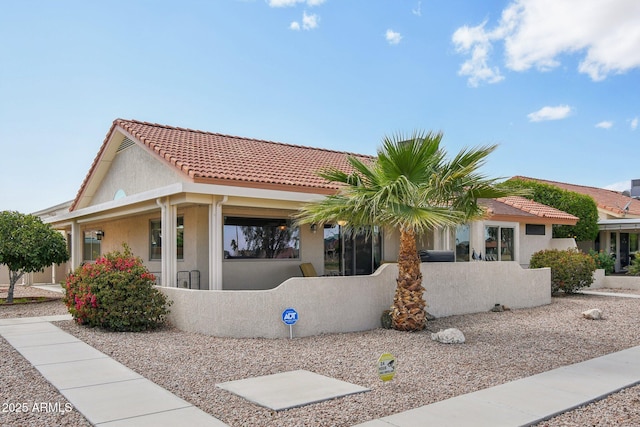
point(349, 304)
point(614, 282)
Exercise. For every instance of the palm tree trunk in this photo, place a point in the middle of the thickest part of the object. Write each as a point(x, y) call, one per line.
point(408, 311)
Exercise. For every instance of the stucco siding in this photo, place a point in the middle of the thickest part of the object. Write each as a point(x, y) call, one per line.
point(348, 304)
point(134, 171)
point(614, 282)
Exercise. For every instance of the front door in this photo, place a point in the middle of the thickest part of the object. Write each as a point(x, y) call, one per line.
point(624, 250)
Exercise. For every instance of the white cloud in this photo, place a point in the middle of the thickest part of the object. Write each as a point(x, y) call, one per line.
point(309, 22)
point(418, 10)
point(289, 3)
point(477, 41)
point(550, 113)
point(634, 123)
point(392, 37)
point(535, 33)
point(606, 124)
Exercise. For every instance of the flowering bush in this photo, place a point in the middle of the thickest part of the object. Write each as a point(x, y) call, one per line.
point(116, 293)
point(570, 269)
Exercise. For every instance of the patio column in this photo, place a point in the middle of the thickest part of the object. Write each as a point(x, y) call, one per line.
point(168, 250)
point(76, 245)
point(216, 253)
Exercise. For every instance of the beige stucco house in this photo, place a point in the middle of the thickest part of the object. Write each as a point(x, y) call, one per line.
point(211, 211)
point(618, 219)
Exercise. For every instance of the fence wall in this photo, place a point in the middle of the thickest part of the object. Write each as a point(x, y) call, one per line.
point(614, 282)
point(349, 304)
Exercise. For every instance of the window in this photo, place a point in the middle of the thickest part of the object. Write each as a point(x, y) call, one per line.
point(155, 243)
point(499, 243)
point(535, 229)
point(260, 238)
point(91, 247)
point(462, 243)
point(362, 252)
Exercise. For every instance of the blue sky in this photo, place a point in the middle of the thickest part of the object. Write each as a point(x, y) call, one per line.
point(555, 83)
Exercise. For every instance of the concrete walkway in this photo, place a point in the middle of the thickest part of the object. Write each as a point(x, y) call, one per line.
point(110, 394)
point(106, 392)
point(529, 400)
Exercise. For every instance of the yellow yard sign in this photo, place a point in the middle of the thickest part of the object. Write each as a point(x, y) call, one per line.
point(386, 366)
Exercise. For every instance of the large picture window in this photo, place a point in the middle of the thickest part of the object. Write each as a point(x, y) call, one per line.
point(155, 243)
point(251, 238)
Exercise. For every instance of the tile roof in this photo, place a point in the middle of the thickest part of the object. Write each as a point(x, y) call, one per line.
point(608, 200)
point(207, 157)
point(517, 206)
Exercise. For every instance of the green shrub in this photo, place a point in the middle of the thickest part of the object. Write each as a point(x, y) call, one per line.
point(571, 269)
point(116, 293)
point(634, 267)
point(603, 261)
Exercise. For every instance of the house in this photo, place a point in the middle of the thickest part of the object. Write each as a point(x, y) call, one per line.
point(618, 219)
point(211, 211)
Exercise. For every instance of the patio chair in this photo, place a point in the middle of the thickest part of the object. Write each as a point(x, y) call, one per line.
point(308, 270)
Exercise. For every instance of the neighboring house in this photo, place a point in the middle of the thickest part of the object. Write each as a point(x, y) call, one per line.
point(211, 211)
point(618, 220)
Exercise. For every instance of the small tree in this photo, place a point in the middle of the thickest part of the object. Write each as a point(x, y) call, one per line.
point(28, 245)
point(412, 187)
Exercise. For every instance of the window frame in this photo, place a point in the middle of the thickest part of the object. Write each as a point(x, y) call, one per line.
point(155, 250)
point(272, 226)
point(94, 241)
point(514, 245)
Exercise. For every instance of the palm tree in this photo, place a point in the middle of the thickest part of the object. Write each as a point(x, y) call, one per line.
point(412, 187)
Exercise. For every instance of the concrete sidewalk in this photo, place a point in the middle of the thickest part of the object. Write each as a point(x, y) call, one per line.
point(529, 400)
point(110, 394)
point(106, 392)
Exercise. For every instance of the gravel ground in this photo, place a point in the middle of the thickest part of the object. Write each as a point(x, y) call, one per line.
point(500, 347)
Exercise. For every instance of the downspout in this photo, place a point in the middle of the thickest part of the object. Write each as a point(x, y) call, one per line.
point(215, 245)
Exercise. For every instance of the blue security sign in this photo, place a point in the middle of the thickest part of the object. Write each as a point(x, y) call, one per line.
point(289, 316)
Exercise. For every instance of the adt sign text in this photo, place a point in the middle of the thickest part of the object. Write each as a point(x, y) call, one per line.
point(289, 316)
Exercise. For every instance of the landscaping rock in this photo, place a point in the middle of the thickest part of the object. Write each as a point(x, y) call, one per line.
point(499, 308)
point(592, 314)
point(448, 336)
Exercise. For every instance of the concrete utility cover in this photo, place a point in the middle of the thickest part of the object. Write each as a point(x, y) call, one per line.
point(290, 389)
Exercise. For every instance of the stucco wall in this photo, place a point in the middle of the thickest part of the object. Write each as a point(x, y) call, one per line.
point(614, 282)
point(44, 276)
point(135, 230)
point(134, 171)
point(347, 304)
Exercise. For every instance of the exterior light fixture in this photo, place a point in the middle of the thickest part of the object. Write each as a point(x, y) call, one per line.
point(314, 228)
point(342, 222)
point(99, 234)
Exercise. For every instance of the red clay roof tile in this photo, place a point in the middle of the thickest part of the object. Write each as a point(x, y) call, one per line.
point(216, 158)
point(517, 206)
point(609, 200)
